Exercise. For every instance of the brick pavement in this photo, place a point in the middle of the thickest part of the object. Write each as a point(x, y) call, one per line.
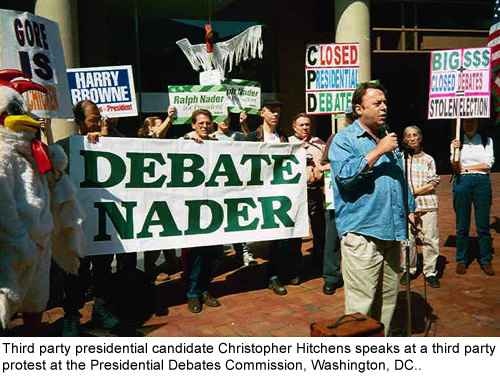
point(466, 305)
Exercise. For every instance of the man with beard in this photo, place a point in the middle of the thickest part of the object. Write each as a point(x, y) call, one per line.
point(368, 189)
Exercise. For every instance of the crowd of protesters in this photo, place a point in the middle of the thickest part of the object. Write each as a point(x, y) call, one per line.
point(357, 241)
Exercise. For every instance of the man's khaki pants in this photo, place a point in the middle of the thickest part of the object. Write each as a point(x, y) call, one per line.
point(370, 269)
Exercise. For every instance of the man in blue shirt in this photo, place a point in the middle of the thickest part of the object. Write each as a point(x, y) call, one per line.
point(369, 203)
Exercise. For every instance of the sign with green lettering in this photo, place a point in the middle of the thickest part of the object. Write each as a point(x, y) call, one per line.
point(460, 83)
point(332, 75)
point(149, 194)
point(187, 98)
point(243, 95)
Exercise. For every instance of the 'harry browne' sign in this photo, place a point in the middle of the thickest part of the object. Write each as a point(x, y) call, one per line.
point(459, 84)
point(110, 88)
point(142, 194)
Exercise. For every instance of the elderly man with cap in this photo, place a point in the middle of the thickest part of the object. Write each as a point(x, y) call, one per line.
point(331, 253)
point(285, 254)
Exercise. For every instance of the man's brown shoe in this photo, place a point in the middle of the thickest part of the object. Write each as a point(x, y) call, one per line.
point(461, 268)
point(210, 300)
point(488, 269)
point(194, 304)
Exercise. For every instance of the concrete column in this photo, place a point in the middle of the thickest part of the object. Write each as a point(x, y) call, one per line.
point(65, 13)
point(352, 24)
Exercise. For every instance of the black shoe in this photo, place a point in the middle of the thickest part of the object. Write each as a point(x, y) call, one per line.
point(103, 316)
point(461, 268)
point(329, 288)
point(210, 300)
point(194, 304)
point(433, 281)
point(295, 281)
point(488, 269)
point(277, 287)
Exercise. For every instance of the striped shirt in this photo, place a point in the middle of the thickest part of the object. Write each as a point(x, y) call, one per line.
point(314, 148)
point(422, 172)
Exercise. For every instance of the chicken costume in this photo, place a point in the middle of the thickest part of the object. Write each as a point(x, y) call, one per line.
point(37, 211)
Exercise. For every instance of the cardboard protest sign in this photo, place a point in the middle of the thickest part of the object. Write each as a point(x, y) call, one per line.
point(145, 194)
point(332, 75)
point(32, 44)
point(110, 88)
point(243, 95)
point(459, 85)
point(187, 98)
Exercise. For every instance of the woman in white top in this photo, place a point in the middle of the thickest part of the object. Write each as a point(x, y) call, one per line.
point(472, 185)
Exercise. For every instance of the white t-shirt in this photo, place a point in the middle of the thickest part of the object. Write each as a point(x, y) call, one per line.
point(474, 153)
point(271, 138)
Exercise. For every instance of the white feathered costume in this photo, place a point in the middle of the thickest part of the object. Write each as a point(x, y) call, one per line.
point(34, 208)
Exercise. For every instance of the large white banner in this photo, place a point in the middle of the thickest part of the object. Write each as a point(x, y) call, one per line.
point(146, 194)
point(32, 44)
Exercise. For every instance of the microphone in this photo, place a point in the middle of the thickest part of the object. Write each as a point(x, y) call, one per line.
point(385, 129)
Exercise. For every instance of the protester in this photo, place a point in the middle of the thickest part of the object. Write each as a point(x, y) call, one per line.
point(202, 261)
point(368, 189)
point(331, 254)
point(154, 127)
point(37, 207)
point(224, 132)
point(314, 147)
point(124, 261)
point(285, 254)
point(89, 122)
point(422, 179)
point(472, 186)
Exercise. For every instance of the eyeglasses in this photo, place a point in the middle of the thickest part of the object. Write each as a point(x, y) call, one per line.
point(94, 120)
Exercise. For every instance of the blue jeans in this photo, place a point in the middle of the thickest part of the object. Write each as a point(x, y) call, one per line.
point(331, 258)
point(202, 264)
point(473, 189)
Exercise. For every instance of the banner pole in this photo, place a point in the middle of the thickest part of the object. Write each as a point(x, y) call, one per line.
point(456, 152)
point(48, 131)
